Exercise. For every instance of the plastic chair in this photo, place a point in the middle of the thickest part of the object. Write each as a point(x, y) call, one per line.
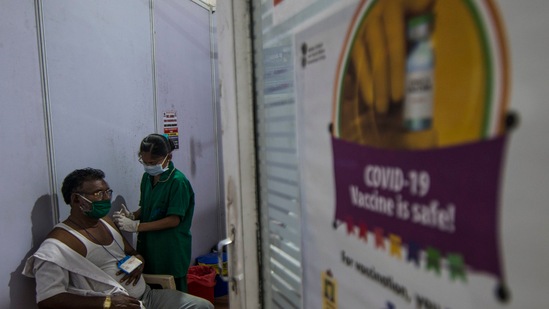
point(165, 281)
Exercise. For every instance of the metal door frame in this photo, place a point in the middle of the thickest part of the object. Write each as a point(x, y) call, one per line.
point(238, 142)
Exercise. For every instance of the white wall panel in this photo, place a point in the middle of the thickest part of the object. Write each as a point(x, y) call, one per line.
point(184, 81)
point(99, 62)
point(98, 103)
point(24, 187)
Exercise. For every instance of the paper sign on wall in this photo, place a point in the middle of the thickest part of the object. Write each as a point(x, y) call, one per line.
point(170, 127)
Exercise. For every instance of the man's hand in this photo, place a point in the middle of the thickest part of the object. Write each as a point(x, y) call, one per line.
point(124, 301)
point(62, 299)
point(126, 224)
point(135, 275)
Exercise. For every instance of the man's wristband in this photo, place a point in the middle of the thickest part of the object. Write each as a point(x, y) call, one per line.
point(107, 302)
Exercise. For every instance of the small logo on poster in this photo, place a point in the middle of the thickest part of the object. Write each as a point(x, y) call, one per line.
point(312, 53)
point(329, 290)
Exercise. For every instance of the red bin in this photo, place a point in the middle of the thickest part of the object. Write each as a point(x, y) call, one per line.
point(201, 281)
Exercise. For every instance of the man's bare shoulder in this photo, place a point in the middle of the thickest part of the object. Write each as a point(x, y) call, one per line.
point(68, 239)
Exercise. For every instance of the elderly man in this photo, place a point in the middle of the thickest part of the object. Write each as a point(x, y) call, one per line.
point(86, 263)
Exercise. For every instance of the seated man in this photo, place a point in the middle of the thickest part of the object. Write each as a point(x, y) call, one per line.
point(80, 263)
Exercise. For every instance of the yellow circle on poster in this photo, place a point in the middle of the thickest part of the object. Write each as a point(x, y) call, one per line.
point(421, 74)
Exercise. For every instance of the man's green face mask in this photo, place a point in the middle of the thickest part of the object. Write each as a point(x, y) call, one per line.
point(99, 208)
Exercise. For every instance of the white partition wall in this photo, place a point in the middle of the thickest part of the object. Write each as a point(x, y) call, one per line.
point(80, 86)
point(99, 66)
point(24, 188)
point(183, 53)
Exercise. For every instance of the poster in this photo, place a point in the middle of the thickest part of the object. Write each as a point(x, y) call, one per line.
point(402, 144)
point(171, 128)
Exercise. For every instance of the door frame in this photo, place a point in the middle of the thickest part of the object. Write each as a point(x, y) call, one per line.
point(239, 159)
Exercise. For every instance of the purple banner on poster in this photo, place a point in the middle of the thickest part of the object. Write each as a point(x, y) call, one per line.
point(446, 198)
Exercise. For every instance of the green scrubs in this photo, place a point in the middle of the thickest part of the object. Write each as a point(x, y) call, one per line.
point(167, 251)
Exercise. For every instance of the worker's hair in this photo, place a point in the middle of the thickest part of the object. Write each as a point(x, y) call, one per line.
point(157, 145)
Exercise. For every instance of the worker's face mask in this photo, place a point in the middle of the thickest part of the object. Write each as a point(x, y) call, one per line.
point(154, 170)
point(99, 208)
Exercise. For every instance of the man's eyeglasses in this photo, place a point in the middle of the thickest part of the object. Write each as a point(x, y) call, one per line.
point(100, 194)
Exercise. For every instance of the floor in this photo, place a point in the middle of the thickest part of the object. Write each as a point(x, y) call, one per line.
point(221, 302)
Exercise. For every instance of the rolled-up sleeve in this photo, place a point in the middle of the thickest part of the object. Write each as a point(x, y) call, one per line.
point(51, 279)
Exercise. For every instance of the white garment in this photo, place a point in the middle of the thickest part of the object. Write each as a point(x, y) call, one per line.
point(107, 257)
point(64, 270)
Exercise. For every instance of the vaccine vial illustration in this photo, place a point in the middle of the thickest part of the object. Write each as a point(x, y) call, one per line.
point(419, 82)
point(418, 101)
